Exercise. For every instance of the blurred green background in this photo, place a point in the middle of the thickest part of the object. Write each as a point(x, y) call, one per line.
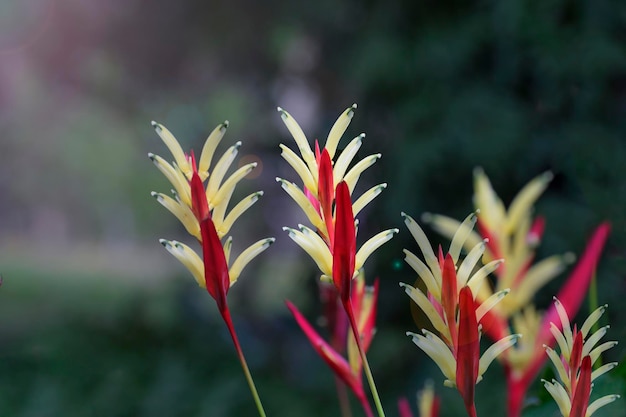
point(96, 319)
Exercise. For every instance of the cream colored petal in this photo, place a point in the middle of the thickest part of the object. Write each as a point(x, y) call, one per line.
point(594, 339)
point(602, 370)
point(174, 147)
point(438, 351)
point(219, 172)
point(246, 256)
point(489, 303)
point(219, 213)
point(346, 157)
point(174, 176)
point(522, 203)
point(468, 264)
point(423, 303)
point(567, 330)
point(187, 257)
point(492, 210)
point(352, 176)
point(447, 227)
point(539, 275)
point(600, 402)
point(592, 319)
point(478, 278)
point(298, 135)
point(208, 150)
point(239, 209)
point(560, 396)
point(424, 273)
point(319, 253)
point(371, 245)
point(182, 212)
point(424, 245)
point(367, 197)
point(300, 167)
point(226, 190)
point(338, 129)
point(597, 351)
point(494, 350)
point(556, 361)
point(461, 235)
point(560, 339)
point(304, 203)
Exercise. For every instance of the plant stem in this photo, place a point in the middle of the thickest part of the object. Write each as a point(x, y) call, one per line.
point(368, 373)
point(229, 323)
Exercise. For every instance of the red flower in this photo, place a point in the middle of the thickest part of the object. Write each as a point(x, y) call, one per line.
point(344, 247)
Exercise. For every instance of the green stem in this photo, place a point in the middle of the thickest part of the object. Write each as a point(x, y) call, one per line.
point(242, 359)
point(366, 366)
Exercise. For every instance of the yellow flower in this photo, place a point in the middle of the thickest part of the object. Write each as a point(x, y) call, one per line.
point(218, 194)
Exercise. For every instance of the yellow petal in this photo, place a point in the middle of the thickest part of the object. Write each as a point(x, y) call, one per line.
point(338, 129)
point(352, 176)
point(174, 147)
point(208, 150)
point(187, 257)
point(301, 168)
point(304, 203)
point(221, 167)
point(182, 212)
point(522, 203)
point(301, 140)
point(346, 157)
point(226, 190)
point(367, 197)
point(371, 245)
point(246, 256)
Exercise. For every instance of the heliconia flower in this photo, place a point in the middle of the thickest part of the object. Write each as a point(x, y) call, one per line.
point(320, 177)
point(203, 211)
point(574, 365)
point(350, 371)
point(427, 403)
point(513, 235)
point(450, 305)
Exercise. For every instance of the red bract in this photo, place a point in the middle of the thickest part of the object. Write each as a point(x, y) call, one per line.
point(344, 247)
point(335, 361)
point(215, 265)
point(580, 402)
point(404, 408)
point(468, 353)
point(326, 193)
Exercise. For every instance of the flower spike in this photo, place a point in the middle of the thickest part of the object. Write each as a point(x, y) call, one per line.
point(574, 365)
point(452, 308)
point(202, 210)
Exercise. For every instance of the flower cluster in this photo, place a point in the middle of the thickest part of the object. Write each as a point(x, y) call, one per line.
point(455, 291)
point(578, 354)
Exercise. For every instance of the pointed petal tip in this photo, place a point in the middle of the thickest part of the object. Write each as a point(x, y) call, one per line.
point(225, 124)
point(164, 242)
point(354, 106)
point(155, 125)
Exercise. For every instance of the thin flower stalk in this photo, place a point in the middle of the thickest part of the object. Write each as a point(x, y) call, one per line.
point(203, 211)
point(325, 198)
point(450, 304)
point(513, 234)
point(349, 371)
point(578, 352)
